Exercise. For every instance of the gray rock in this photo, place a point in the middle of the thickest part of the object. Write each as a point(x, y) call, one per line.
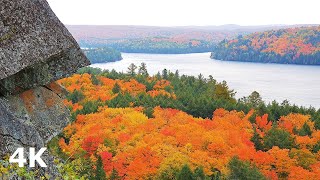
point(35, 47)
point(31, 119)
point(35, 50)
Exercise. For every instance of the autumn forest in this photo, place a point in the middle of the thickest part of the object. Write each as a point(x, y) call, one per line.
point(286, 46)
point(169, 126)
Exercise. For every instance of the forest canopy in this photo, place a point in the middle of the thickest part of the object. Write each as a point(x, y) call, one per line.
point(169, 126)
point(285, 46)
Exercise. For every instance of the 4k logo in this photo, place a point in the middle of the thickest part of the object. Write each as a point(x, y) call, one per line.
point(33, 157)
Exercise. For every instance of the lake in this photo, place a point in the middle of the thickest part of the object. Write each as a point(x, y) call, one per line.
point(297, 83)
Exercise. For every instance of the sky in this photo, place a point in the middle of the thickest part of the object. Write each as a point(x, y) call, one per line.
point(186, 12)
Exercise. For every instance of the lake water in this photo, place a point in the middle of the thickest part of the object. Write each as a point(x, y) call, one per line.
point(296, 83)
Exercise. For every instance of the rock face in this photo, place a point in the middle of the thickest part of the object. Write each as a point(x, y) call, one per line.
point(31, 119)
point(35, 50)
point(35, 47)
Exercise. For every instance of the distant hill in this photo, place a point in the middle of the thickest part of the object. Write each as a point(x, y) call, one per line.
point(151, 39)
point(299, 45)
point(102, 55)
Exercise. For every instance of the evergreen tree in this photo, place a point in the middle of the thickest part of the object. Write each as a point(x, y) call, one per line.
point(95, 80)
point(114, 175)
point(148, 111)
point(76, 96)
point(316, 147)
point(100, 174)
point(89, 107)
point(212, 80)
point(257, 140)
point(255, 99)
point(240, 170)
point(132, 69)
point(185, 173)
point(176, 74)
point(143, 69)
point(200, 77)
point(278, 137)
point(305, 130)
point(116, 88)
point(199, 174)
point(165, 74)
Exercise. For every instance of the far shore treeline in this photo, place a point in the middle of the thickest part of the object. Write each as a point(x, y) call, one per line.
point(299, 45)
point(284, 46)
point(102, 55)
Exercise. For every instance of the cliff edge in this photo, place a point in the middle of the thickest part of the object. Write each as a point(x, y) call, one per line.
point(35, 50)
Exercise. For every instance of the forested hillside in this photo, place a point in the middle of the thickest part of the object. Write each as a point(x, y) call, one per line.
point(102, 55)
point(286, 46)
point(154, 45)
point(171, 126)
point(164, 40)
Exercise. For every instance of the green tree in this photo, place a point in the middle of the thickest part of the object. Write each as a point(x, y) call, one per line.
point(116, 88)
point(278, 137)
point(199, 174)
point(114, 175)
point(240, 170)
point(255, 99)
point(185, 173)
point(76, 96)
point(148, 111)
point(100, 174)
point(257, 140)
point(165, 74)
point(143, 69)
point(305, 130)
point(95, 80)
point(176, 74)
point(316, 120)
point(89, 70)
point(222, 92)
point(132, 69)
point(316, 147)
point(89, 107)
point(158, 75)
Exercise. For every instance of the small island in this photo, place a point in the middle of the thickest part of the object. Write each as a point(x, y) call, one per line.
point(102, 55)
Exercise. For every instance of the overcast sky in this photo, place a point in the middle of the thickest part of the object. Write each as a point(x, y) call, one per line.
point(186, 12)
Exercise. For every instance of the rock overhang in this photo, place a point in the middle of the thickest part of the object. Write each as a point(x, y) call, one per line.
point(35, 47)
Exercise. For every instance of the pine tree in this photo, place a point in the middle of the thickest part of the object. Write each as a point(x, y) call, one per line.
point(305, 130)
point(257, 140)
point(255, 99)
point(114, 175)
point(143, 69)
point(132, 69)
point(199, 174)
point(165, 74)
point(185, 173)
point(116, 88)
point(100, 173)
point(176, 74)
point(240, 170)
point(76, 96)
point(278, 137)
point(95, 80)
point(158, 75)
